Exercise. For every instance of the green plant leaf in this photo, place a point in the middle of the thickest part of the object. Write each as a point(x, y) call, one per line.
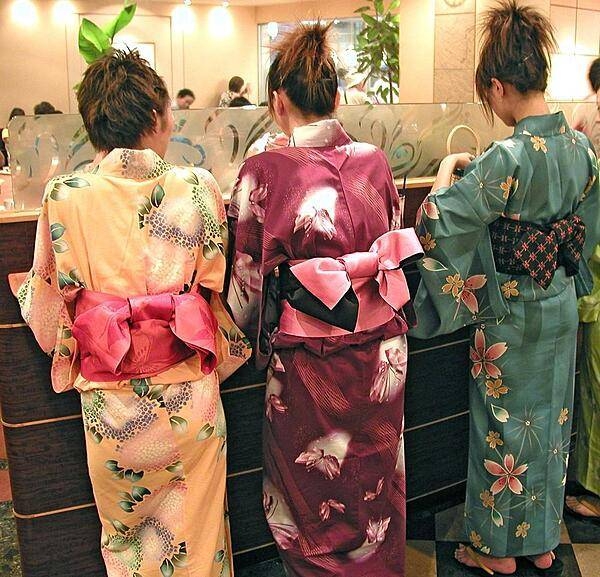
point(500, 413)
point(140, 387)
point(219, 556)
point(138, 493)
point(59, 192)
point(56, 230)
point(76, 182)
point(175, 467)
point(191, 177)
point(179, 560)
point(205, 432)
point(120, 527)
point(133, 476)
point(127, 506)
point(64, 280)
point(124, 18)
point(112, 465)
point(60, 246)
point(210, 250)
point(157, 195)
point(93, 41)
point(497, 518)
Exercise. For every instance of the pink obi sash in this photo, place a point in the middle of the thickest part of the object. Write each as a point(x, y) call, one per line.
point(355, 292)
point(121, 339)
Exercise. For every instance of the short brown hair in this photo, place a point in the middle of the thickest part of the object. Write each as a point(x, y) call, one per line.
point(594, 75)
point(515, 48)
point(305, 70)
point(116, 99)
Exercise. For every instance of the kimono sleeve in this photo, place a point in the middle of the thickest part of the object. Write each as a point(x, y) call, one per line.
point(246, 218)
point(43, 304)
point(458, 276)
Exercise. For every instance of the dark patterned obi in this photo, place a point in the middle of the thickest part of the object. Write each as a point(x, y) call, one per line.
point(138, 337)
point(530, 249)
point(328, 297)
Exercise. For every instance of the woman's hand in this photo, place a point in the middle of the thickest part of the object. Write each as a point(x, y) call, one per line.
point(460, 160)
point(448, 166)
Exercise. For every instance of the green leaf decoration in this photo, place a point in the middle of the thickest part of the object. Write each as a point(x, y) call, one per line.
point(219, 556)
point(60, 246)
point(93, 41)
point(118, 545)
point(500, 413)
point(66, 333)
point(191, 177)
point(497, 518)
point(175, 467)
point(182, 547)
point(112, 465)
point(56, 230)
point(157, 195)
point(140, 387)
point(133, 476)
point(120, 527)
point(138, 493)
point(210, 250)
point(74, 275)
point(432, 265)
point(145, 207)
point(178, 424)
point(64, 351)
point(179, 560)
point(125, 495)
point(97, 437)
point(205, 432)
point(64, 280)
point(156, 392)
point(167, 568)
point(59, 192)
point(76, 182)
point(127, 506)
point(124, 18)
point(141, 220)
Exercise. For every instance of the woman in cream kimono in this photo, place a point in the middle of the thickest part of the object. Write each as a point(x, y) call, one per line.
point(128, 262)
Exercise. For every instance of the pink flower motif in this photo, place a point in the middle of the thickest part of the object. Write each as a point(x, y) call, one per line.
point(257, 198)
point(326, 506)
point(482, 357)
point(467, 296)
point(317, 459)
point(390, 376)
point(319, 221)
point(377, 529)
point(274, 402)
point(370, 495)
point(508, 475)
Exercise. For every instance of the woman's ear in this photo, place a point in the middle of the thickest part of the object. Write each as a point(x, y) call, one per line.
point(278, 104)
point(155, 121)
point(497, 88)
point(337, 100)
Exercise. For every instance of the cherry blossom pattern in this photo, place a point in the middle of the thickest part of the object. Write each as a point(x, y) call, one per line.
point(508, 474)
point(482, 357)
point(327, 506)
point(463, 291)
point(317, 459)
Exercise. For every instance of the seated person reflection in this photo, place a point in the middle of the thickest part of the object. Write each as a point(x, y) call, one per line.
point(129, 258)
point(184, 99)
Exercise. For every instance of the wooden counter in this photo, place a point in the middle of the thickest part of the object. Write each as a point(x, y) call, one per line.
point(56, 519)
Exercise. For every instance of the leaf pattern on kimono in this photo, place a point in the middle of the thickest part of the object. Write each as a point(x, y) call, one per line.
point(326, 507)
point(389, 378)
point(318, 221)
point(274, 403)
point(317, 459)
point(376, 530)
point(372, 495)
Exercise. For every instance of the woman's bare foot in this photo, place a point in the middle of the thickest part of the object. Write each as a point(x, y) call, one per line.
point(543, 561)
point(467, 556)
point(584, 505)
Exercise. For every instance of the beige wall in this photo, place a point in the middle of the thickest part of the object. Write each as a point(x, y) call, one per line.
point(39, 62)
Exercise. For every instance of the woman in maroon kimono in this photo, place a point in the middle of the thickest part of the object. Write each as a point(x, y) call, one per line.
point(317, 283)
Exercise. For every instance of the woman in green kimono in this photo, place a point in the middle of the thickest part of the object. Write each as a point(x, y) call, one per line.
point(505, 254)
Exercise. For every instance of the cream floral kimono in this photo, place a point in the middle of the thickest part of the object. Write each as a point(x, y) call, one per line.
point(135, 225)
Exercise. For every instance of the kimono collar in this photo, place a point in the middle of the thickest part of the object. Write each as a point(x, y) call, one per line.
point(328, 132)
point(135, 164)
point(544, 125)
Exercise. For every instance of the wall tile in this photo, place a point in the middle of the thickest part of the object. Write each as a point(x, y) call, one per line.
point(453, 85)
point(572, 3)
point(454, 6)
point(588, 31)
point(455, 41)
point(589, 4)
point(564, 21)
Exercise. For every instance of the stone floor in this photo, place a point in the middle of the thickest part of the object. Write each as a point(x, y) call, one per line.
point(578, 554)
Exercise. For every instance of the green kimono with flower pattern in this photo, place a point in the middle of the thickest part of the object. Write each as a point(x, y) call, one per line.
point(523, 337)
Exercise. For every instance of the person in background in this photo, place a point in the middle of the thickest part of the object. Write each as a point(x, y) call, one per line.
point(506, 249)
point(123, 293)
point(239, 102)
point(44, 107)
point(587, 449)
point(586, 116)
point(4, 160)
point(316, 283)
point(237, 87)
point(184, 99)
point(355, 92)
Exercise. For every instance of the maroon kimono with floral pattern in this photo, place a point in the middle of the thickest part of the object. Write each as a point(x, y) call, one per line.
point(334, 491)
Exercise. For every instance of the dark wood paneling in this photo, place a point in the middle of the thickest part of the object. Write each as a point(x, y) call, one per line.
point(17, 240)
point(64, 545)
point(248, 525)
point(244, 412)
point(437, 384)
point(47, 466)
point(413, 198)
point(247, 375)
point(436, 456)
point(25, 389)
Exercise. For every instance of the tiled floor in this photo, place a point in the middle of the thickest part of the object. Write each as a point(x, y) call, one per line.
point(578, 555)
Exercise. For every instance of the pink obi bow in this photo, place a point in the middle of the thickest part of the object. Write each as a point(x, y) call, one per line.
point(330, 279)
point(121, 339)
